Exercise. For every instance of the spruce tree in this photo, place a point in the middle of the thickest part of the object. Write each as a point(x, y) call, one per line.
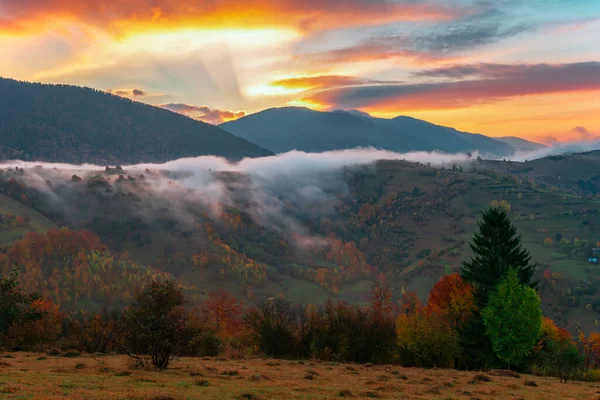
point(496, 248)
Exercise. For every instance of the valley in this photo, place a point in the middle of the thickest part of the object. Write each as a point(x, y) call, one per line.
point(307, 236)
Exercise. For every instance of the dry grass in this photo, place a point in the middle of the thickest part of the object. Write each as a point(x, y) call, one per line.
point(28, 376)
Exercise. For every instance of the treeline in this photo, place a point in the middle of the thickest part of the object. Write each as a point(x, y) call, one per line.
point(486, 317)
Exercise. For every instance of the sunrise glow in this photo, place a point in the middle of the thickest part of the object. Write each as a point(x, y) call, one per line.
point(499, 69)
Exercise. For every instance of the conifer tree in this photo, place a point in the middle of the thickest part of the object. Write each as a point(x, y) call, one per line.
point(496, 247)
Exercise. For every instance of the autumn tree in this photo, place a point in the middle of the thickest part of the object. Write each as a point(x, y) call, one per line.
point(45, 327)
point(95, 332)
point(155, 328)
point(452, 300)
point(513, 319)
point(590, 348)
point(556, 353)
point(381, 298)
point(222, 313)
point(423, 339)
point(17, 307)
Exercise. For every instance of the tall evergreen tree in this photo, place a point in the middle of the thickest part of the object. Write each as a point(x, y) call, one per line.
point(496, 248)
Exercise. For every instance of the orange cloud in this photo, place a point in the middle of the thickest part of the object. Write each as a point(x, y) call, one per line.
point(305, 15)
point(505, 81)
point(204, 113)
point(128, 92)
point(577, 134)
point(325, 81)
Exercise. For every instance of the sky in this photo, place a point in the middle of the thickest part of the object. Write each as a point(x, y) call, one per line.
point(527, 68)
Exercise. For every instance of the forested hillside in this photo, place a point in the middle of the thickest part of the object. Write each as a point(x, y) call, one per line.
point(327, 234)
point(61, 123)
point(292, 128)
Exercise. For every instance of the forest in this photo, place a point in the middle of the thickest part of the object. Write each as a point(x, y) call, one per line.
point(63, 123)
point(488, 316)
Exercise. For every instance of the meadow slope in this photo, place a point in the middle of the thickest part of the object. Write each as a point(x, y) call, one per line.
point(36, 376)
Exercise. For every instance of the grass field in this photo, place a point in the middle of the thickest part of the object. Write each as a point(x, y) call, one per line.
point(39, 376)
point(39, 222)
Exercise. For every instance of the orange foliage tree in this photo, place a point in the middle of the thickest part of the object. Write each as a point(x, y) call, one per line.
point(424, 340)
point(452, 299)
point(70, 266)
point(222, 313)
point(45, 329)
point(590, 348)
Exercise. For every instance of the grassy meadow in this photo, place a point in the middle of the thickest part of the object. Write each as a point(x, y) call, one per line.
point(107, 377)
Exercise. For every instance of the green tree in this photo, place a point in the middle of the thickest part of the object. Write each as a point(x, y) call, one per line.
point(495, 247)
point(155, 328)
point(513, 319)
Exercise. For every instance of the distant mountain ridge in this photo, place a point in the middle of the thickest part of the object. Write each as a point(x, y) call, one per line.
point(61, 123)
point(521, 144)
point(293, 128)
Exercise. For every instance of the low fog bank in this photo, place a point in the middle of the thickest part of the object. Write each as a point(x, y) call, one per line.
point(558, 149)
point(278, 191)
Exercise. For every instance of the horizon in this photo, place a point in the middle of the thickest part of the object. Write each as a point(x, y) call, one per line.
point(507, 69)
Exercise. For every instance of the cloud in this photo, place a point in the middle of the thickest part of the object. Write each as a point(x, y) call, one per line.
point(326, 82)
point(496, 83)
point(379, 49)
point(483, 70)
point(578, 136)
point(204, 113)
point(582, 134)
point(128, 92)
point(307, 15)
point(467, 36)
point(481, 23)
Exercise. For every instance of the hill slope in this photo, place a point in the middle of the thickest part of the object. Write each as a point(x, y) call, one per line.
point(521, 144)
point(290, 128)
point(62, 123)
point(310, 235)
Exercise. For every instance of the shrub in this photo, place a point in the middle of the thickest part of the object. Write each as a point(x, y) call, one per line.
point(204, 344)
point(155, 328)
point(271, 325)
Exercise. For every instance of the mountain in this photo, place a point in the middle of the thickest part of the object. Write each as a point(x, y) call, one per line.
point(521, 144)
point(289, 128)
point(63, 123)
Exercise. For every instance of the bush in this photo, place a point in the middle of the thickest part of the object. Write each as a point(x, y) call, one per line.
point(155, 328)
point(205, 344)
point(271, 325)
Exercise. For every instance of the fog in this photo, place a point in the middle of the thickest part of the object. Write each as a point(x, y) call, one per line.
point(276, 191)
point(559, 149)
